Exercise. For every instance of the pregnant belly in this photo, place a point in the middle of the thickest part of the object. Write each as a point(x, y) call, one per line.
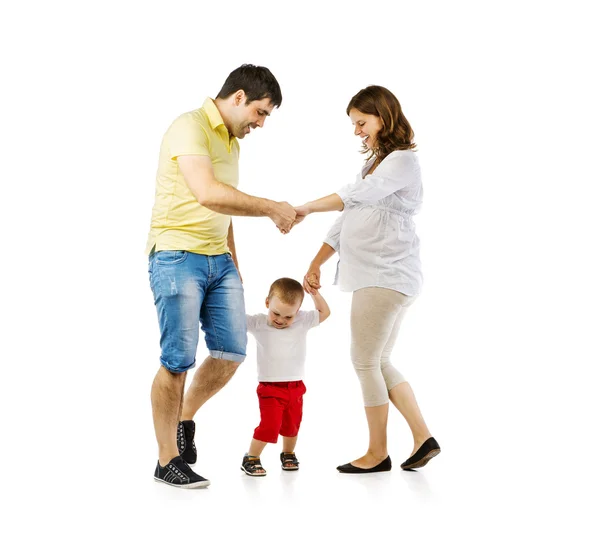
point(362, 232)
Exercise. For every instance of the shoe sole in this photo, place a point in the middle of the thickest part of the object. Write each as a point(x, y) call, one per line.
point(290, 468)
point(424, 460)
point(365, 472)
point(253, 474)
point(192, 485)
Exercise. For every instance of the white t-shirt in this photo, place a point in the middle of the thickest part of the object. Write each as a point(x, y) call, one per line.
point(281, 352)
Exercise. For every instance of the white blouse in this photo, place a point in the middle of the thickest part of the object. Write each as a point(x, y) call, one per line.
point(375, 236)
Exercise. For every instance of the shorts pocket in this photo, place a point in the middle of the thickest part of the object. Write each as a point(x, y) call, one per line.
point(170, 257)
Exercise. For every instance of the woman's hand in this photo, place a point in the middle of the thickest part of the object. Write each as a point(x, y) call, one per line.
point(301, 213)
point(312, 279)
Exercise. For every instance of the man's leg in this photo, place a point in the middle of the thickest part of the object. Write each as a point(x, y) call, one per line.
point(223, 320)
point(174, 280)
point(166, 395)
point(210, 377)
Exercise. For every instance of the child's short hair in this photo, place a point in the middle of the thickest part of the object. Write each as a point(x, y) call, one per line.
point(288, 290)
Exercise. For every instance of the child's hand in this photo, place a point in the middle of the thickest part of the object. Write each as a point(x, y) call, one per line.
point(312, 280)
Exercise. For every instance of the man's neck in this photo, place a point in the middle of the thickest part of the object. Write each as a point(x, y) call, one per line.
point(222, 107)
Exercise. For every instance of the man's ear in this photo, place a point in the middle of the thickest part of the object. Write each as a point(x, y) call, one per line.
point(239, 97)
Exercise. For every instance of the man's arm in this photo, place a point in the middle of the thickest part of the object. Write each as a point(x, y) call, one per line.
point(321, 306)
point(222, 198)
point(231, 245)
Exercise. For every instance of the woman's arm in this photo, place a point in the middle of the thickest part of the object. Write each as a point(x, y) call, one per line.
point(395, 172)
point(331, 202)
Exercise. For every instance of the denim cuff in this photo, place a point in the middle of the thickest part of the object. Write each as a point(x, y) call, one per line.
point(231, 356)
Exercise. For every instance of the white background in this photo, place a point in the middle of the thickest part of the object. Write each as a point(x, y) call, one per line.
point(501, 348)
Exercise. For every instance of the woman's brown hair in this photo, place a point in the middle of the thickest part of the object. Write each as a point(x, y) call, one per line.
point(396, 133)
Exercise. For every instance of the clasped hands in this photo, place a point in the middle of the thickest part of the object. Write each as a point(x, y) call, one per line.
point(285, 216)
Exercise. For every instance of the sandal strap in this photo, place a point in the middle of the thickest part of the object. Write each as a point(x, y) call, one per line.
point(289, 458)
point(252, 463)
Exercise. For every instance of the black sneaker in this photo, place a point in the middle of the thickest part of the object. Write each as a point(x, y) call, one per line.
point(180, 474)
point(185, 441)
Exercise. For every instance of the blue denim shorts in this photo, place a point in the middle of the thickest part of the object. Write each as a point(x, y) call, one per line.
point(191, 290)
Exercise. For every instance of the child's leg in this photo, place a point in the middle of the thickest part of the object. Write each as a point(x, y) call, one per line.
point(271, 401)
point(272, 404)
point(256, 447)
point(292, 417)
point(251, 464)
point(289, 444)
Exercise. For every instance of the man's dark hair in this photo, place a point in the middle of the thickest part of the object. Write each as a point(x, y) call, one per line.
point(257, 83)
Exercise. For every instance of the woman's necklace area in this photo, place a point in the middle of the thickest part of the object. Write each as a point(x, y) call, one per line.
point(373, 167)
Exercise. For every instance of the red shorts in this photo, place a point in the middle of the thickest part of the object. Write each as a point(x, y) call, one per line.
point(280, 409)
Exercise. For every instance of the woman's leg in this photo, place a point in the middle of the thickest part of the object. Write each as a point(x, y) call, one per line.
point(377, 418)
point(404, 400)
point(373, 315)
point(400, 392)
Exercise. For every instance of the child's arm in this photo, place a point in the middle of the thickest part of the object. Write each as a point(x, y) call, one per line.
point(250, 324)
point(321, 306)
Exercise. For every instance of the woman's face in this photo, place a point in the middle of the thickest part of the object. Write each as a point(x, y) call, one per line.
point(366, 126)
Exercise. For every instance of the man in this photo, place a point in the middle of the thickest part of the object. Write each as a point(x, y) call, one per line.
point(193, 268)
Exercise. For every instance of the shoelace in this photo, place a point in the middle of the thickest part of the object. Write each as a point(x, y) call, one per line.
point(180, 436)
point(189, 436)
point(183, 437)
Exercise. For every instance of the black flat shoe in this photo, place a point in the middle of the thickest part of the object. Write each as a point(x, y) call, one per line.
point(426, 452)
point(386, 465)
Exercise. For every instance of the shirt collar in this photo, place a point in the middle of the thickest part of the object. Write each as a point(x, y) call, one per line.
point(216, 120)
point(213, 113)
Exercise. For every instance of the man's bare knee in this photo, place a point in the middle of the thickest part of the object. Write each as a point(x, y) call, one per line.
point(223, 366)
point(169, 376)
point(228, 365)
point(214, 373)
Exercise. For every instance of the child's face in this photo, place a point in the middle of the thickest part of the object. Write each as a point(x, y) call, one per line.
point(281, 314)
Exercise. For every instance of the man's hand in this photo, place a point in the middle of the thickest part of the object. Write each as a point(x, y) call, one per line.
point(283, 215)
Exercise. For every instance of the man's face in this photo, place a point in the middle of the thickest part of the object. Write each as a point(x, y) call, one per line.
point(247, 117)
point(281, 314)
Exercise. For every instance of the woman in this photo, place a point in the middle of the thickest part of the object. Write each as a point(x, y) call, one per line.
point(379, 262)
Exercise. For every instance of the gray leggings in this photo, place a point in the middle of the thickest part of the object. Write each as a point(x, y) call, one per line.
point(375, 320)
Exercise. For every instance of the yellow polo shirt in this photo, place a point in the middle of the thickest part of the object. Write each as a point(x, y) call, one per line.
point(179, 222)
